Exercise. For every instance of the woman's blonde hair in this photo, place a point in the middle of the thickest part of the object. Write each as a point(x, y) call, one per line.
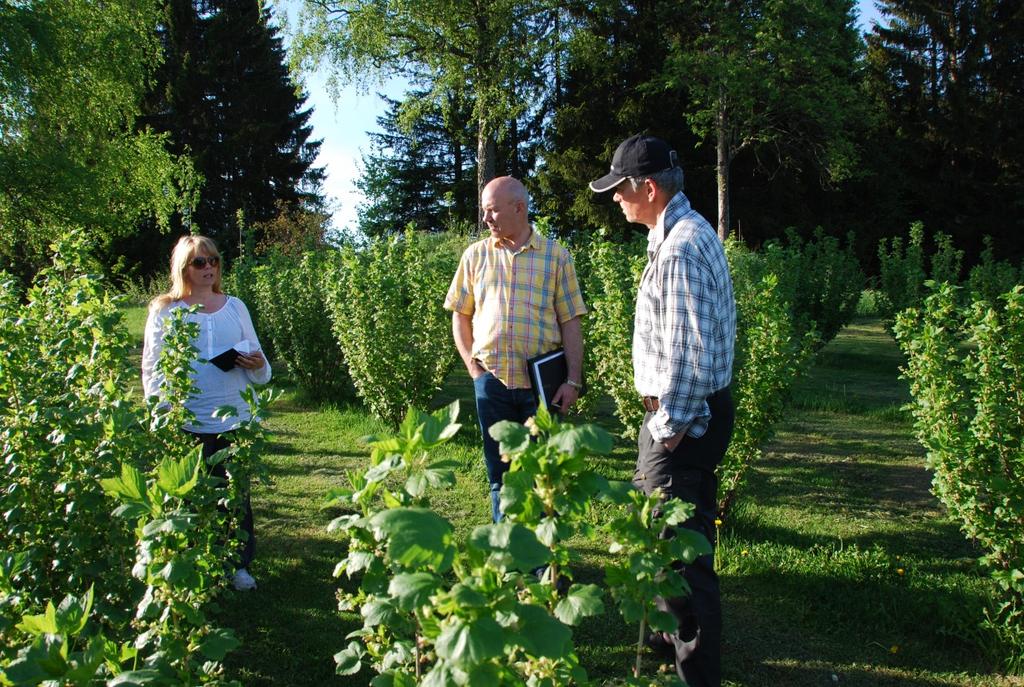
point(186, 249)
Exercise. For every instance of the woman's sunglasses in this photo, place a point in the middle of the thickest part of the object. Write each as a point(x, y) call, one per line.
point(201, 262)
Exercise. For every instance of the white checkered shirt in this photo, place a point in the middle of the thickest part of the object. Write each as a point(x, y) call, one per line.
point(685, 324)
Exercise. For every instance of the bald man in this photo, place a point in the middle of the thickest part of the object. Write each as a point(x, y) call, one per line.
point(513, 297)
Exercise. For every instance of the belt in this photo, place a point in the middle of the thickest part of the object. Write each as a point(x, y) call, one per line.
point(651, 403)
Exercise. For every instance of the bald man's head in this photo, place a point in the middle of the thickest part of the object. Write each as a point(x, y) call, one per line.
point(505, 207)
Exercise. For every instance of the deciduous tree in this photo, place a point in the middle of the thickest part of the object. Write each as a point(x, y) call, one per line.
point(607, 53)
point(779, 78)
point(494, 52)
point(72, 73)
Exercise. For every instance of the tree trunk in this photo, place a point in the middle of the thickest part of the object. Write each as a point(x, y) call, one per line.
point(456, 132)
point(723, 174)
point(486, 151)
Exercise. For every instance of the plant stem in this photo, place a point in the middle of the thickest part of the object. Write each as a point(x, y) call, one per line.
point(640, 646)
point(417, 657)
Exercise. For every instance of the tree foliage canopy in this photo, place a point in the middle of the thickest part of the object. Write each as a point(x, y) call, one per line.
point(419, 177)
point(224, 97)
point(779, 78)
point(947, 79)
point(491, 55)
point(72, 73)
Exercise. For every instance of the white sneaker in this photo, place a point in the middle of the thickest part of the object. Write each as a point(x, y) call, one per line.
point(243, 581)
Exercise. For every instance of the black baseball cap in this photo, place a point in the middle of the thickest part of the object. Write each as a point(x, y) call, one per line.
point(637, 156)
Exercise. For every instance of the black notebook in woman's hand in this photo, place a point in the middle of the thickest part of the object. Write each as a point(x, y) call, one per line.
point(226, 360)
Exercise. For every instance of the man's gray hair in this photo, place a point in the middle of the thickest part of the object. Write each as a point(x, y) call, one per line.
point(516, 190)
point(669, 181)
point(524, 195)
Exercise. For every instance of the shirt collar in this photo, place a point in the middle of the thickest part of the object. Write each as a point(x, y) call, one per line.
point(678, 206)
point(532, 242)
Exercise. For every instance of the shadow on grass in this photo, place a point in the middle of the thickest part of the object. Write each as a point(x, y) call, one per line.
point(918, 538)
point(799, 629)
point(810, 435)
point(289, 626)
point(855, 484)
point(287, 449)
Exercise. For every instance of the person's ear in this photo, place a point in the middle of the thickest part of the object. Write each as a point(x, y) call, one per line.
point(651, 190)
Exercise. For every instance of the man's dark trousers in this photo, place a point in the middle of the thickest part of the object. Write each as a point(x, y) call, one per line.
point(688, 473)
point(496, 402)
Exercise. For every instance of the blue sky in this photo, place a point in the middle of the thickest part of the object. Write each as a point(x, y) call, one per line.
point(343, 127)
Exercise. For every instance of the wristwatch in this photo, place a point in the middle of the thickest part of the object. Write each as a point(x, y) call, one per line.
point(574, 385)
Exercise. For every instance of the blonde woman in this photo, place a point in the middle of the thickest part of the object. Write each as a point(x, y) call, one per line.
point(224, 326)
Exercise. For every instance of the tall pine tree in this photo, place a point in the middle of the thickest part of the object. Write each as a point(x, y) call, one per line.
point(948, 78)
point(421, 175)
point(607, 51)
point(226, 98)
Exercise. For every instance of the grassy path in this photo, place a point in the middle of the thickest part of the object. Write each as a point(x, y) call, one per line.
point(837, 565)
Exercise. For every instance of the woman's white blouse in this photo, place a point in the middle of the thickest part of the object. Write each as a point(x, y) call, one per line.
point(218, 332)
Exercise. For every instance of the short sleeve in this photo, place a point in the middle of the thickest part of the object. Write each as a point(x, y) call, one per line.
point(460, 297)
point(568, 296)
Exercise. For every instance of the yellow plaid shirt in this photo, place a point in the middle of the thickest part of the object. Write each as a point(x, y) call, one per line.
point(517, 301)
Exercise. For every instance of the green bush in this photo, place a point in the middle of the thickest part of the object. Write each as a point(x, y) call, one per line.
point(132, 591)
point(580, 247)
point(771, 349)
point(434, 606)
point(903, 271)
point(771, 352)
point(66, 420)
point(610, 287)
point(290, 297)
point(989, 279)
point(946, 261)
point(965, 365)
point(386, 308)
point(867, 305)
point(240, 281)
point(821, 280)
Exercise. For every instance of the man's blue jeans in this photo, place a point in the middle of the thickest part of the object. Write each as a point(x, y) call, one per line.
point(496, 402)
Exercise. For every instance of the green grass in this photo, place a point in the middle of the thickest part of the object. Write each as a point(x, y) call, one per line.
point(810, 557)
point(135, 320)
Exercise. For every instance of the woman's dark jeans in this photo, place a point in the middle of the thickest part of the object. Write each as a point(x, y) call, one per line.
point(211, 444)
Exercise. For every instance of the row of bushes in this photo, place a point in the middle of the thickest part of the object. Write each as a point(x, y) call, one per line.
point(359, 322)
point(965, 365)
point(792, 297)
point(113, 533)
point(905, 267)
point(964, 348)
point(369, 321)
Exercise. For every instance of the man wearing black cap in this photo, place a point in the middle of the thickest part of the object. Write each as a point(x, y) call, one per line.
point(683, 337)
